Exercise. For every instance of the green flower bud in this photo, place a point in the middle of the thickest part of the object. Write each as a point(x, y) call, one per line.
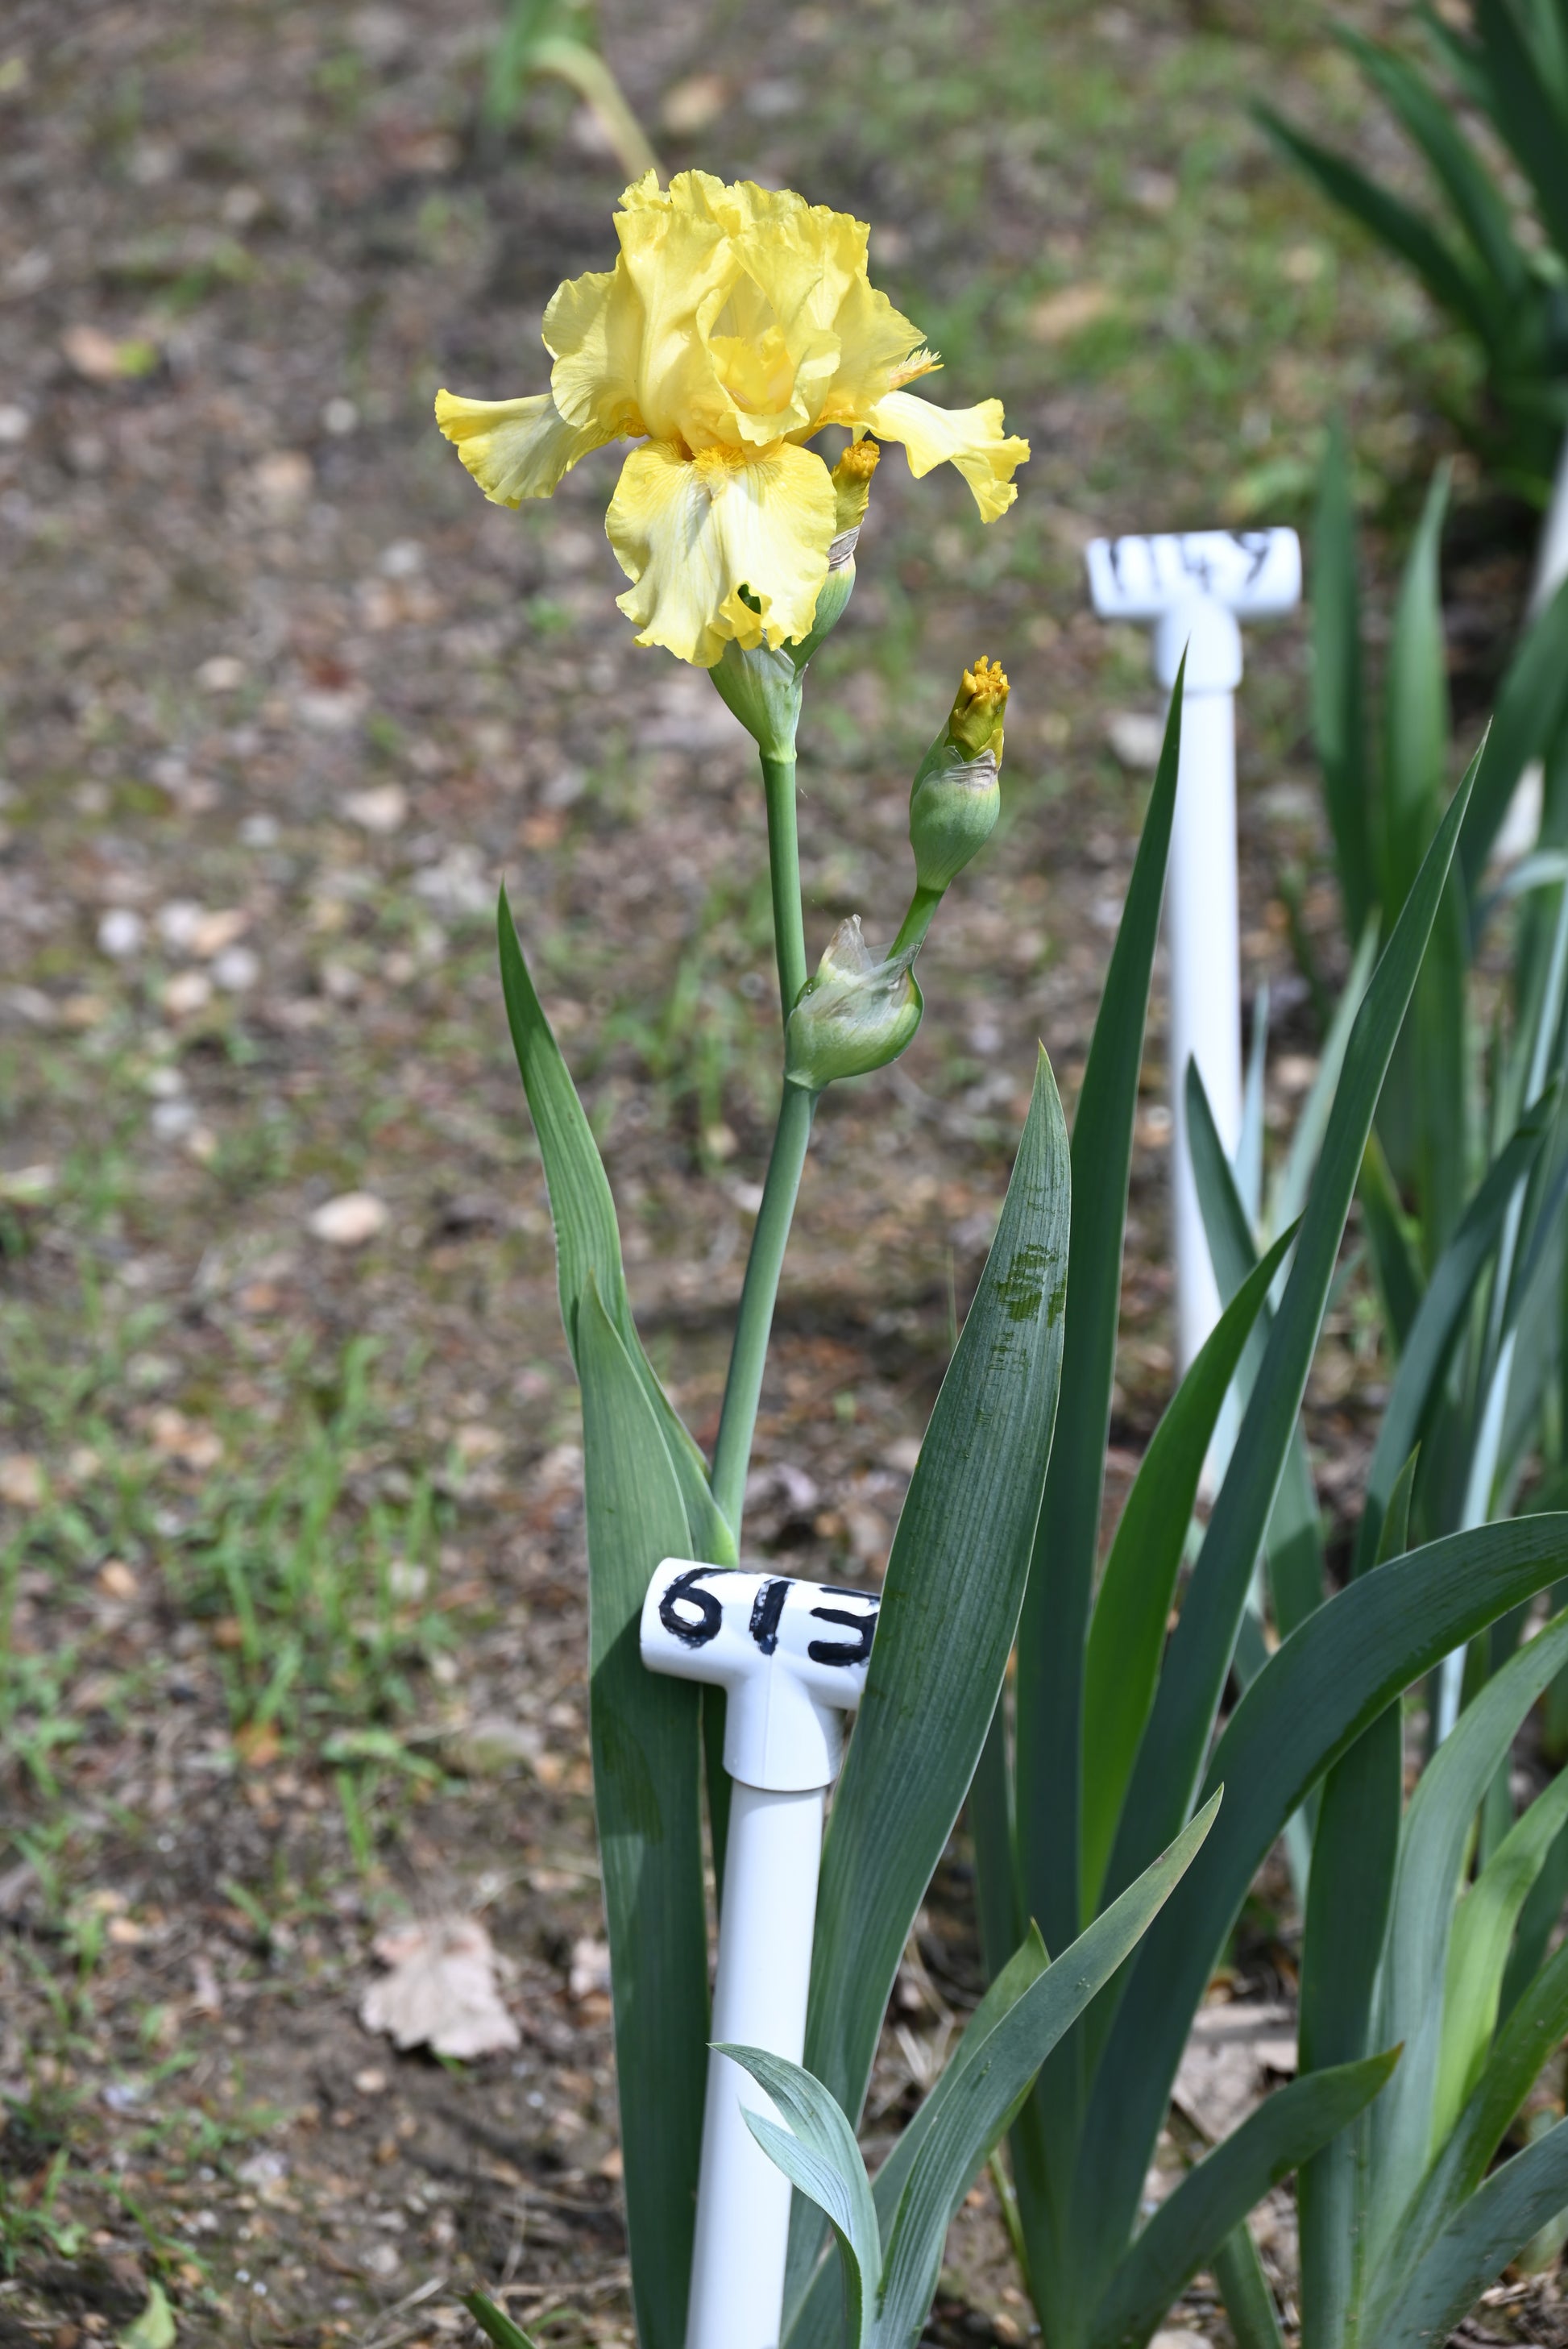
point(856, 1015)
point(955, 798)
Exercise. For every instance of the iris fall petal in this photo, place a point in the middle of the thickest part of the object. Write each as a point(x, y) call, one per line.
point(515, 448)
point(970, 438)
point(691, 535)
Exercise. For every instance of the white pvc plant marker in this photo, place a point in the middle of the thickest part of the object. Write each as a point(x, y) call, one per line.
point(791, 1659)
point(1194, 591)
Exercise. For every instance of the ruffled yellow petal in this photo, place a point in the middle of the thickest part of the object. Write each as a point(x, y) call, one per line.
point(735, 206)
point(876, 344)
point(737, 316)
point(515, 448)
point(674, 274)
point(642, 194)
point(969, 438)
point(592, 330)
point(691, 533)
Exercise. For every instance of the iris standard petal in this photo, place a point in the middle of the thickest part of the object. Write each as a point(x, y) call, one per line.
point(675, 270)
point(971, 438)
point(515, 448)
point(592, 330)
point(691, 533)
point(876, 344)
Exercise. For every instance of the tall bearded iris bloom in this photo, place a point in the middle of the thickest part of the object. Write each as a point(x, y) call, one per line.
point(735, 325)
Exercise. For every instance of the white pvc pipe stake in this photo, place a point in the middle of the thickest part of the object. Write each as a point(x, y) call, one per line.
point(791, 1657)
point(1194, 590)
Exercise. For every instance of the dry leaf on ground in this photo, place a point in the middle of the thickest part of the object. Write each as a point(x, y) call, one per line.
point(441, 1992)
point(1229, 2059)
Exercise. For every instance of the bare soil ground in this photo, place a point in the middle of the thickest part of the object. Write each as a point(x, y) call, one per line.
point(291, 1560)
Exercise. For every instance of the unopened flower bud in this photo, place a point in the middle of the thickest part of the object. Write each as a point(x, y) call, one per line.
point(853, 485)
point(851, 492)
point(856, 1015)
point(978, 709)
point(955, 798)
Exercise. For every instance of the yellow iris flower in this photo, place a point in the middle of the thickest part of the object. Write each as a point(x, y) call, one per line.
point(735, 325)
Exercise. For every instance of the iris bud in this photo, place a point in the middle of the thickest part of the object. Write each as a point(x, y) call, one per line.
point(856, 1015)
point(852, 493)
point(955, 798)
point(852, 489)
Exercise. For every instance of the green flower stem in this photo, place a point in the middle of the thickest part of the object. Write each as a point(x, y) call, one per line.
point(784, 866)
point(737, 1420)
point(912, 930)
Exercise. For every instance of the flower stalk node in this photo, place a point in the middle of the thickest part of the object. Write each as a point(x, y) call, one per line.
point(856, 1014)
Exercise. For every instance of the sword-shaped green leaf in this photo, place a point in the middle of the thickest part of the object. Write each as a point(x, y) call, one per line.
point(1527, 2039)
point(819, 2156)
point(1439, 1321)
point(647, 1752)
point(1126, 1637)
point(1531, 122)
point(1354, 1850)
point(818, 2323)
point(1478, 1946)
point(1400, 1280)
point(1311, 1123)
point(1432, 1847)
point(587, 1239)
point(1312, 1700)
point(969, 2117)
point(1474, 194)
point(1170, 1757)
point(1191, 2224)
point(1054, 1626)
point(1451, 284)
point(950, 1607)
point(1477, 2243)
point(1021, 2017)
point(1293, 1541)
